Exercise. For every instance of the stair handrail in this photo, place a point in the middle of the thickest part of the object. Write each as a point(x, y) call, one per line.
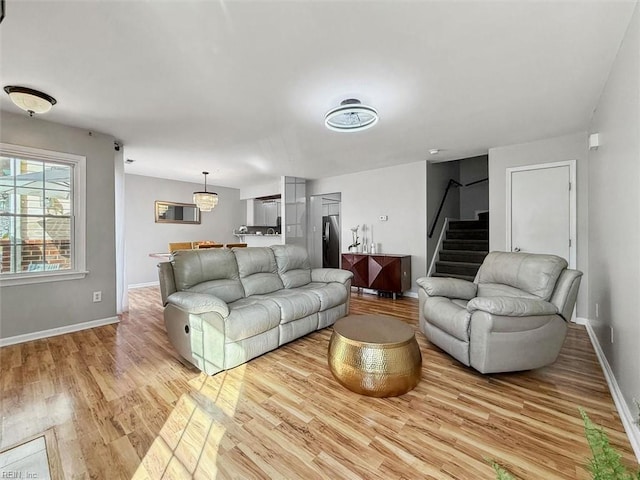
point(451, 183)
point(436, 254)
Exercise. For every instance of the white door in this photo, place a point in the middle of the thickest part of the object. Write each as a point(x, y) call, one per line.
point(541, 213)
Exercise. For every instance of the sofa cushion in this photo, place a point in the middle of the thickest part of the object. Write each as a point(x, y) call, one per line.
point(293, 265)
point(534, 273)
point(448, 316)
point(258, 270)
point(250, 316)
point(330, 294)
point(212, 271)
point(294, 304)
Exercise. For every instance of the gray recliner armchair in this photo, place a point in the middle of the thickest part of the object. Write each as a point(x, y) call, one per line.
point(512, 317)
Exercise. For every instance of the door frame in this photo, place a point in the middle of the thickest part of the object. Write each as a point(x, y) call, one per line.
point(573, 233)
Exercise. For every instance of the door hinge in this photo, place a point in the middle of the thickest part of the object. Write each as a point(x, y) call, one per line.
point(569, 186)
point(569, 242)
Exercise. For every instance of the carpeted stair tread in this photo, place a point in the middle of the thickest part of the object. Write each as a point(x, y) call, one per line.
point(471, 256)
point(462, 244)
point(457, 268)
point(465, 264)
point(469, 234)
point(453, 275)
point(467, 225)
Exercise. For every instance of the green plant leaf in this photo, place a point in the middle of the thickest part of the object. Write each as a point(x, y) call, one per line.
point(605, 463)
point(501, 472)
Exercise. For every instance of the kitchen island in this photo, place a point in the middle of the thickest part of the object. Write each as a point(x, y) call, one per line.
point(257, 240)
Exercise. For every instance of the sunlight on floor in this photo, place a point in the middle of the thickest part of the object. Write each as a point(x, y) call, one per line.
point(194, 434)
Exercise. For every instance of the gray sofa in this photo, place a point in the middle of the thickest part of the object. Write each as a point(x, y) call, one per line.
point(224, 307)
point(512, 317)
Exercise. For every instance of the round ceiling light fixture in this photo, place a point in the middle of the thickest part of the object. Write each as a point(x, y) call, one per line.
point(351, 116)
point(29, 99)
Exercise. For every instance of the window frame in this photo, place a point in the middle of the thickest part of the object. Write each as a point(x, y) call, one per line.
point(79, 192)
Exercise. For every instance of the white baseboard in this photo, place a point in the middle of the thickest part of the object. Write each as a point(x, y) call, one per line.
point(632, 430)
point(143, 285)
point(581, 321)
point(28, 337)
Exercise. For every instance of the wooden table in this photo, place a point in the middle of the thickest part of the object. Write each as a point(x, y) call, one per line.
point(375, 355)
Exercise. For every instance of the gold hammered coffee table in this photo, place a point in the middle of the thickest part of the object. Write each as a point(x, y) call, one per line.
point(375, 355)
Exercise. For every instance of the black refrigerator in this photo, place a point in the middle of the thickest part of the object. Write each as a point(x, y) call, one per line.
point(331, 241)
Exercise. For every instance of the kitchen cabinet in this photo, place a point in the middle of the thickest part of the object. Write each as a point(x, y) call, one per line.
point(385, 273)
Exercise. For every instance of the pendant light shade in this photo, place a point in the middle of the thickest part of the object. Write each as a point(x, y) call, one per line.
point(205, 201)
point(30, 100)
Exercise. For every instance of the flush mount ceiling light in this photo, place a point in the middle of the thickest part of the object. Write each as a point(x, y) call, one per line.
point(205, 201)
point(29, 99)
point(351, 116)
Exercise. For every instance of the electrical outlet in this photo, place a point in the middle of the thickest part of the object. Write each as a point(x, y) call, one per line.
point(97, 296)
point(597, 310)
point(611, 328)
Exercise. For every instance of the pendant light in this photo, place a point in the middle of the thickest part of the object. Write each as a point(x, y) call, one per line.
point(205, 201)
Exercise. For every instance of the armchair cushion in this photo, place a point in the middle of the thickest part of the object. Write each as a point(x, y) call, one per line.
point(534, 273)
point(448, 317)
point(511, 306)
point(448, 287)
point(498, 290)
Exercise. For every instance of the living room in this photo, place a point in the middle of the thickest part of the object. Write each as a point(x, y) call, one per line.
point(585, 59)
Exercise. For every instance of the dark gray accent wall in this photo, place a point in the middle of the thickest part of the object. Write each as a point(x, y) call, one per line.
point(438, 175)
point(33, 308)
point(474, 198)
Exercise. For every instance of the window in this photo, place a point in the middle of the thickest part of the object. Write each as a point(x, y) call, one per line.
point(42, 226)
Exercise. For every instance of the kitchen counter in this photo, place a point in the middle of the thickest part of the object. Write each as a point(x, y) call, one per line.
point(264, 240)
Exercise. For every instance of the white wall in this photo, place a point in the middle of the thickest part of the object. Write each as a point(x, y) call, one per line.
point(614, 217)
point(400, 193)
point(568, 147)
point(144, 236)
point(34, 308)
point(264, 190)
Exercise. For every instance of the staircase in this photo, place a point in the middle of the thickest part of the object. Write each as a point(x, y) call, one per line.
point(464, 248)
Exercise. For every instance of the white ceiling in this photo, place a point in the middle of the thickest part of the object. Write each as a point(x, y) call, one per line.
point(241, 88)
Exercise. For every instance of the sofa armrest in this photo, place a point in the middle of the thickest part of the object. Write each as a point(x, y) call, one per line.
point(512, 306)
point(197, 303)
point(326, 275)
point(448, 287)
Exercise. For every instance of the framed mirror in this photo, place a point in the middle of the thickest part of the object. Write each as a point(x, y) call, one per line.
point(173, 212)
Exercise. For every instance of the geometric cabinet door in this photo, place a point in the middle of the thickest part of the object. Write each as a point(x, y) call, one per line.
point(359, 266)
point(387, 273)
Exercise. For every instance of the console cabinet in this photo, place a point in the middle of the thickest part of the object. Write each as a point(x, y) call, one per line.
point(385, 273)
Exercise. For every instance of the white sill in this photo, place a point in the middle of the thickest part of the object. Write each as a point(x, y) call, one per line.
point(11, 279)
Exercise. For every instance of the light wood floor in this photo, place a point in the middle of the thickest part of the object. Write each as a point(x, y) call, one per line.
point(122, 405)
